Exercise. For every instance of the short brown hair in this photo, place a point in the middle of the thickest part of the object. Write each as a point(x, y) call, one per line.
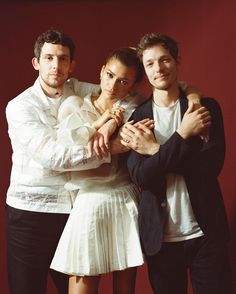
point(152, 39)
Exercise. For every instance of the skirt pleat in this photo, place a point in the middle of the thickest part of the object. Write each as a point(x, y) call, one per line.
point(101, 234)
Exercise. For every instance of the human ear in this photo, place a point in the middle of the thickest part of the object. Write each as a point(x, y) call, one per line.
point(101, 72)
point(72, 66)
point(35, 63)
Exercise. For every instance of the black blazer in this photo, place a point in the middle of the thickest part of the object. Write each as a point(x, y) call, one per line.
point(199, 162)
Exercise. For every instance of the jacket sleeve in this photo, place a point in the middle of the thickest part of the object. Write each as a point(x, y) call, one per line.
point(207, 158)
point(33, 137)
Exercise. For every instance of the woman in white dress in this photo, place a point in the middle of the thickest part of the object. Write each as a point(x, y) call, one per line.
point(101, 234)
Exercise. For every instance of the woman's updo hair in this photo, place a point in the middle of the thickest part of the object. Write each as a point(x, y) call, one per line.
point(128, 57)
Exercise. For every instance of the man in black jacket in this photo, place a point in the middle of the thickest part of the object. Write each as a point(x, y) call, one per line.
point(183, 224)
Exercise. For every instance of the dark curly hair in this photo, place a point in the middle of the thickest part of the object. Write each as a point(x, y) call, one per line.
point(54, 37)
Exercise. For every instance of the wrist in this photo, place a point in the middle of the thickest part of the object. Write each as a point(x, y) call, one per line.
point(183, 133)
point(116, 148)
point(154, 148)
point(95, 126)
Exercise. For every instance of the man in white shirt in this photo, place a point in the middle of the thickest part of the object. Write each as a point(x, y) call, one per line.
point(37, 203)
point(182, 219)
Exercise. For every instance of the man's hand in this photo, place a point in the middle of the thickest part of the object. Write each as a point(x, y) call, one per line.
point(195, 122)
point(205, 134)
point(116, 145)
point(139, 137)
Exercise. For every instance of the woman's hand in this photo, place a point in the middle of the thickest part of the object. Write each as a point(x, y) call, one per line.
point(99, 143)
point(115, 113)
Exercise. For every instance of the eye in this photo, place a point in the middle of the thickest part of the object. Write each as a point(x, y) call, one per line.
point(123, 82)
point(64, 58)
point(109, 74)
point(166, 60)
point(149, 64)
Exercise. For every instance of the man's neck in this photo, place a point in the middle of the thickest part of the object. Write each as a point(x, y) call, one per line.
point(166, 98)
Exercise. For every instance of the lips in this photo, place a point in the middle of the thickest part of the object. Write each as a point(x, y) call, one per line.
point(111, 92)
point(160, 77)
point(56, 75)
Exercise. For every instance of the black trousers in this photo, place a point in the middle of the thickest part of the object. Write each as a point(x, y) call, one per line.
point(206, 260)
point(32, 238)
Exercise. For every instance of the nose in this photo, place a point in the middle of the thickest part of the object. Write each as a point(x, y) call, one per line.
point(114, 84)
point(55, 63)
point(157, 66)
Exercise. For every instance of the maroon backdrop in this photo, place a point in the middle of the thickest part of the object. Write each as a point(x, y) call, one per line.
point(205, 31)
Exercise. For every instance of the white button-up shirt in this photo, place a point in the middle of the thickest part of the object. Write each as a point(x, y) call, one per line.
point(40, 165)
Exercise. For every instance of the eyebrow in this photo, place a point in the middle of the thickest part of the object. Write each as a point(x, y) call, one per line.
point(161, 57)
point(60, 55)
point(125, 79)
point(150, 59)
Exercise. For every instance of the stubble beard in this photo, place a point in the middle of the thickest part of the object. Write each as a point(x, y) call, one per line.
point(53, 83)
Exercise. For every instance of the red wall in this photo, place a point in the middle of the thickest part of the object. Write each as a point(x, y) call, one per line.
point(205, 31)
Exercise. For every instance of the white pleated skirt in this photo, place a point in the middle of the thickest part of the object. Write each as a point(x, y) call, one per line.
point(101, 234)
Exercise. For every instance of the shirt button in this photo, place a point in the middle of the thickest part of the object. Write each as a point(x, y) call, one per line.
point(163, 204)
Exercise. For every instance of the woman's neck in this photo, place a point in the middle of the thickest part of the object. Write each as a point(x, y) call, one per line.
point(102, 104)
